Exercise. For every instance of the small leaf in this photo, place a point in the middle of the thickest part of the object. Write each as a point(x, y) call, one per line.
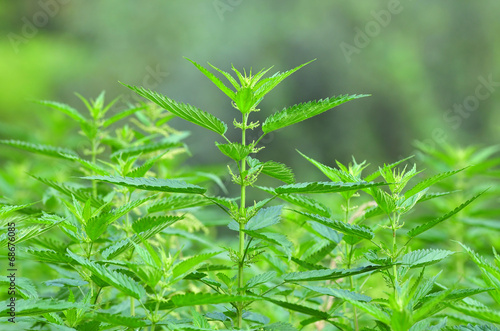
point(260, 279)
point(274, 169)
point(152, 184)
point(227, 91)
point(184, 111)
point(301, 112)
point(235, 151)
point(188, 264)
point(121, 115)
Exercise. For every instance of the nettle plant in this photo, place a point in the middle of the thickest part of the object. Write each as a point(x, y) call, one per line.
point(352, 265)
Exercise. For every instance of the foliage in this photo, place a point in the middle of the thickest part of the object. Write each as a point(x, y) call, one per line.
point(122, 236)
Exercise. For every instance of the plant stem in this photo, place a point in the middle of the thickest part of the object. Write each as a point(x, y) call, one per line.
point(94, 144)
point(349, 260)
point(241, 222)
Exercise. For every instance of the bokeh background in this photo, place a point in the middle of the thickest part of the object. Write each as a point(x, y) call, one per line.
point(423, 62)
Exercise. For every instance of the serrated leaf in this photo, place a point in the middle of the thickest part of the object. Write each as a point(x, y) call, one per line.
point(332, 173)
point(303, 111)
point(184, 111)
point(345, 228)
point(264, 218)
point(47, 255)
point(66, 109)
point(266, 85)
point(164, 145)
point(188, 264)
point(329, 274)
point(274, 169)
point(325, 232)
point(121, 115)
point(430, 181)
point(176, 202)
point(321, 252)
point(152, 184)
point(426, 226)
point(235, 151)
point(424, 257)
point(306, 265)
point(36, 307)
point(119, 280)
point(486, 314)
point(324, 187)
point(340, 293)
point(192, 299)
point(455, 295)
point(227, 91)
point(146, 224)
point(116, 319)
point(58, 152)
point(376, 174)
point(307, 203)
point(298, 308)
point(260, 279)
point(273, 238)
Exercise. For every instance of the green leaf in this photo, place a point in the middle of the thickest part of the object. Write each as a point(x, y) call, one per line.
point(321, 252)
point(273, 238)
point(301, 112)
point(36, 307)
point(227, 91)
point(332, 173)
point(424, 257)
point(164, 145)
point(266, 85)
point(334, 292)
point(188, 264)
point(184, 111)
point(264, 218)
point(307, 265)
point(346, 228)
point(192, 299)
point(426, 226)
point(121, 115)
point(47, 255)
point(116, 319)
point(119, 280)
point(455, 295)
point(329, 274)
point(274, 169)
point(235, 151)
point(307, 203)
point(484, 313)
point(324, 187)
point(386, 167)
point(176, 202)
point(66, 109)
point(62, 153)
point(430, 181)
point(260, 279)
point(298, 308)
point(152, 184)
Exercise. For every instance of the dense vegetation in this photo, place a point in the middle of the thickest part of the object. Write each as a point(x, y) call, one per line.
point(126, 237)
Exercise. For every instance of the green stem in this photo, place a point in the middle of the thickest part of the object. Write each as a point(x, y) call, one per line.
point(349, 252)
point(394, 225)
point(95, 145)
point(241, 222)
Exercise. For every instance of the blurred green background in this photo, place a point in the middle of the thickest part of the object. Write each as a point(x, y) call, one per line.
point(418, 59)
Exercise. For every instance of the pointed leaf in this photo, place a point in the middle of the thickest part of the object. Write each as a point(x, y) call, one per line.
point(66, 109)
point(215, 80)
point(264, 218)
point(274, 169)
point(121, 115)
point(176, 202)
point(430, 181)
point(345, 228)
point(329, 274)
point(424, 257)
point(192, 299)
point(152, 184)
point(164, 145)
point(235, 151)
point(324, 187)
point(188, 264)
point(334, 292)
point(184, 111)
point(426, 226)
point(47, 150)
point(299, 308)
point(301, 112)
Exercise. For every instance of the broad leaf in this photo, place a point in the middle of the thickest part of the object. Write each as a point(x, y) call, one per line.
point(264, 218)
point(184, 111)
point(152, 184)
point(301, 112)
